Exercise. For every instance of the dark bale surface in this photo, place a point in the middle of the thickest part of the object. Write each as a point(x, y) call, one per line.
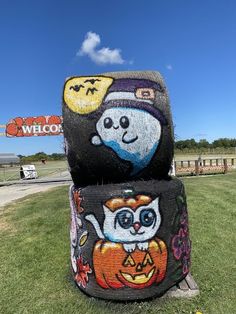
point(172, 207)
point(90, 164)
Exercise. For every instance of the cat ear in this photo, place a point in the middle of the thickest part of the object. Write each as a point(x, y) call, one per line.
point(155, 203)
point(108, 213)
point(106, 209)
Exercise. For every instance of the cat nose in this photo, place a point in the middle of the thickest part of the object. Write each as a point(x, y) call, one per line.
point(137, 226)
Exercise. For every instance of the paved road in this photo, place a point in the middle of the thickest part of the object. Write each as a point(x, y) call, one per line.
point(10, 193)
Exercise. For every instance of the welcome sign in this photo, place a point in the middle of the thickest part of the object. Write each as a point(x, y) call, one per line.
point(34, 126)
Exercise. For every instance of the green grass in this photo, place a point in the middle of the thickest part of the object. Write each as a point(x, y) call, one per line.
point(9, 173)
point(35, 266)
point(50, 168)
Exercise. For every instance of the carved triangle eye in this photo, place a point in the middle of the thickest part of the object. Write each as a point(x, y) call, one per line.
point(129, 261)
point(147, 259)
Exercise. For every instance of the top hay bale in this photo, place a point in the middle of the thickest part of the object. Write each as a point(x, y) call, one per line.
point(117, 127)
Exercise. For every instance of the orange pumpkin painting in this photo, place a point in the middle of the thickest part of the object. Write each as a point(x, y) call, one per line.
point(115, 268)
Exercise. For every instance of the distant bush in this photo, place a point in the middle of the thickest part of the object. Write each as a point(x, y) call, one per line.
point(219, 146)
point(222, 145)
point(40, 156)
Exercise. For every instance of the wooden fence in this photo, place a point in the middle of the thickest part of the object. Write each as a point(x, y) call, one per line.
point(204, 166)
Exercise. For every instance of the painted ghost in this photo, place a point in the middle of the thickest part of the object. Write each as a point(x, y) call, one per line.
point(130, 124)
point(133, 134)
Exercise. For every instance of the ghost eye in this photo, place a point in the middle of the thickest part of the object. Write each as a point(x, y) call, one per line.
point(125, 219)
point(124, 122)
point(108, 123)
point(147, 217)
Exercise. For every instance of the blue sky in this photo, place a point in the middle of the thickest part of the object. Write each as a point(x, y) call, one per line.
point(192, 43)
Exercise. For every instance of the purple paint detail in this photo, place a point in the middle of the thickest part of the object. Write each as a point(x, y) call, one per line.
point(130, 85)
point(155, 112)
point(178, 244)
point(186, 264)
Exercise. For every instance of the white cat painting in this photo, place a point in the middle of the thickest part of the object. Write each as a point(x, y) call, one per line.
point(132, 222)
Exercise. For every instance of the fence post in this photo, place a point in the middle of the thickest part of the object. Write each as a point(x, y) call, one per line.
point(217, 162)
point(225, 165)
point(189, 163)
point(196, 167)
point(232, 162)
point(210, 162)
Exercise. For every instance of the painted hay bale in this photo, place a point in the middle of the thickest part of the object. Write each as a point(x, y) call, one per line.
point(129, 241)
point(117, 127)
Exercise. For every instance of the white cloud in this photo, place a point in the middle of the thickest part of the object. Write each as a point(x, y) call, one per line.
point(102, 56)
point(169, 67)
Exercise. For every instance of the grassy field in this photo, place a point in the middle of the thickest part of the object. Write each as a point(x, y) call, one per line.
point(56, 167)
point(35, 267)
point(50, 168)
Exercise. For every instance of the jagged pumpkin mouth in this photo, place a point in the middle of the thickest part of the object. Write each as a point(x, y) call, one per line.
point(140, 278)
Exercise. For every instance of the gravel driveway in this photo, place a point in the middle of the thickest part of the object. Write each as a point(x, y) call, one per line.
point(9, 193)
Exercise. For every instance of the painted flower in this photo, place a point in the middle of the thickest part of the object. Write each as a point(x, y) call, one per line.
point(181, 244)
point(184, 220)
point(184, 227)
point(178, 245)
point(187, 246)
point(184, 216)
point(41, 120)
point(14, 128)
point(73, 259)
point(181, 247)
point(78, 199)
point(83, 269)
point(186, 264)
point(55, 120)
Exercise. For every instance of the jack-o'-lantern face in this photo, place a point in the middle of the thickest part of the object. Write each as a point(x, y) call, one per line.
point(115, 268)
point(136, 271)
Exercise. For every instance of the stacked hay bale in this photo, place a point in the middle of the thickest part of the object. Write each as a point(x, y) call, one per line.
point(129, 224)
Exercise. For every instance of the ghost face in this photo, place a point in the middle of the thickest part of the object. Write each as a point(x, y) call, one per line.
point(133, 134)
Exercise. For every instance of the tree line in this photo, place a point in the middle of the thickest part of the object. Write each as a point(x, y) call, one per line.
point(41, 156)
point(189, 145)
point(224, 143)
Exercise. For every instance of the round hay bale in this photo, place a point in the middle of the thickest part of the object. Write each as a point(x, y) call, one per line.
point(117, 126)
point(129, 241)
